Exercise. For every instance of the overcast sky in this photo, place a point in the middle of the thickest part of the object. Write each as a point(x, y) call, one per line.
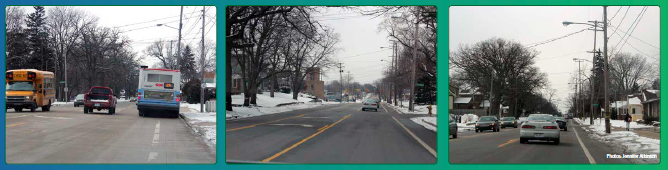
point(140, 22)
point(531, 24)
point(360, 44)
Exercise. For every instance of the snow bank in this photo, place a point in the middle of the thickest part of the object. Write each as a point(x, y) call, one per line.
point(202, 123)
point(427, 122)
point(613, 123)
point(267, 105)
point(628, 141)
point(419, 109)
point(469, 118)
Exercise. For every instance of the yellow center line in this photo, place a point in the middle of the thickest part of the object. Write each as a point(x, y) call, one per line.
point(304, 140)
point(509, 142)
point(250, 126)
point(12, 125)
point(323, 127)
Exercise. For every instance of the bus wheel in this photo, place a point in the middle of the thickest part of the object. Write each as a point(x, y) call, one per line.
point(47, 107)
point(18, 109)
point(33, 107)
point(112, 110)
point(175, 114)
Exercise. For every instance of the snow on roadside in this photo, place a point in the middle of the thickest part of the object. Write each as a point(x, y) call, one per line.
point(203, 123)
point(427, 122)
point(419, 109)
point(267, 105)
point(613, 123)
point(628, 141)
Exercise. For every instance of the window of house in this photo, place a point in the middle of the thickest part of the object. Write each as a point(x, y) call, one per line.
point(312, 88)
point(634, 111)
point(234, 83)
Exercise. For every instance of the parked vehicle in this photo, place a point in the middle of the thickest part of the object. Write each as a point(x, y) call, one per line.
point(100, 98)
point(453, 126)
point(29, 89)
point(562, 123)
point(133, 99)
point(158, 91)
point(79, 100)
point(487, 123)
point(540, 127)
point(508, 122)
point(370, 104)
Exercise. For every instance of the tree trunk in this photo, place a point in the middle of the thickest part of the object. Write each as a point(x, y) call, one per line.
point(296, 87)
point(273, 83)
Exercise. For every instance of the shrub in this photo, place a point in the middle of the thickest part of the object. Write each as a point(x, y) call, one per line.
point(649, 120)
point(191, 91)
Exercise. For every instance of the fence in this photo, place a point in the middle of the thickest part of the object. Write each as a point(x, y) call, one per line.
point(210, 106)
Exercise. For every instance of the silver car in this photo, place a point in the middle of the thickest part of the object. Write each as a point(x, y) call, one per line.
point(540, 127)
point(370, 104)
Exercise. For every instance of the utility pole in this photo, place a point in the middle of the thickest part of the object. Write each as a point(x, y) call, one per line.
point(201, 98)
point(491, 88)
point(415, 46)
point(178, 53)
point(341, 81)
point(593, 63)
point(396, 62)
point(578, 90)
point(606, 73)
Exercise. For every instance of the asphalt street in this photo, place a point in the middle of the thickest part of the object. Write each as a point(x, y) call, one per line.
point(67, 135)
point(504, 147)
point(339, 133)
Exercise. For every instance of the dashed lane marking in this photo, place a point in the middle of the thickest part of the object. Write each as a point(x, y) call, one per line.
point(509, 142)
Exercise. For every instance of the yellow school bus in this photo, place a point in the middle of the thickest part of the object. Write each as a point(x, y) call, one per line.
point(30, 89)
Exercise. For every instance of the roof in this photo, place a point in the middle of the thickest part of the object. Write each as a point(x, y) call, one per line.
point(619, 104)
point(160, 69)
point(634, 101)
point(649, 95)
point(462, 100)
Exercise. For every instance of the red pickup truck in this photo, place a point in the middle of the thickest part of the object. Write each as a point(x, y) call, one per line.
point(100, 98)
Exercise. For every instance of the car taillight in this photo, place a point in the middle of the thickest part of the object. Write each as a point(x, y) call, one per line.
point(528, 127)
point(373, 104)
point(366, 104)
point(549, 127)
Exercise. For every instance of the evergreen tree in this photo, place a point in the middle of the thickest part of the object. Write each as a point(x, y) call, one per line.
point(188, 71)
point(41, 57)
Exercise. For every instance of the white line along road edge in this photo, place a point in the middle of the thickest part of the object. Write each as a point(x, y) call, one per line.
point(416, 138)
point(591, 159)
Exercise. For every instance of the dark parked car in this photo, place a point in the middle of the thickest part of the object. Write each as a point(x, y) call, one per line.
point(562, 123)
point(508, 122)
point(487, 123)
point(453, 127)
point(79, 100)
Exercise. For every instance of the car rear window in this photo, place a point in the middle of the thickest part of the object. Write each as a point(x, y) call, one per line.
point(541, 117)
point(508, 118)
point(100, 91)
point(487, 118)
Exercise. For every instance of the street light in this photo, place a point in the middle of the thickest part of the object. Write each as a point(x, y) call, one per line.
point(159, 25)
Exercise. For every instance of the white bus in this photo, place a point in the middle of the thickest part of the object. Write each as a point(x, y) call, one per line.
point(159, 91)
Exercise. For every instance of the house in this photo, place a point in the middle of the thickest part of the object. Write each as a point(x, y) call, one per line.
point(452, 94)
point(313, 84)
point(650, 103)
point(635, 107)
point(237, 88)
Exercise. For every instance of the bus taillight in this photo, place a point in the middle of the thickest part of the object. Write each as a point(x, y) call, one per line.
point(178, 98)
point(9, 76)
point(31, 75)
point(138, 95)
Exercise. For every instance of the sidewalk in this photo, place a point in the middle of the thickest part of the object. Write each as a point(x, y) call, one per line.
point(652, 133)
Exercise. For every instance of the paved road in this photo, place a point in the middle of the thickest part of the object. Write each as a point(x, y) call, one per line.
point(504, 147)
point(338, 133)
point(67, 135)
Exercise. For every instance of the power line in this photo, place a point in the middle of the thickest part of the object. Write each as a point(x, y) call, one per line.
point(553, 39)
point(364, 54)
point(620, 22)
point(618, 9)
point(637, 49)
point(143, 22)
point(636, 22)
point(561, 56)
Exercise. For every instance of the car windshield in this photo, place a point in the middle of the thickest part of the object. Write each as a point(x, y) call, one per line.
point(80, 96)
point(508, 118)
point(560, 118)
point(19, 86)
point(486, 119)
point(370, 101)
point(541, 117)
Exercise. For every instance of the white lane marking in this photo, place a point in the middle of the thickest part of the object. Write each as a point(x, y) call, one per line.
point(591, 159)
point(384, 108)
point(156, 138)
point(152, 156)
point(417, 138)
point(303, 125)
point(16, 117)
point(52, 117)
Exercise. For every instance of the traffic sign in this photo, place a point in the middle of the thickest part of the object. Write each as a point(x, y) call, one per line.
point(420, 85)
point(62, 82)
point(595, 104)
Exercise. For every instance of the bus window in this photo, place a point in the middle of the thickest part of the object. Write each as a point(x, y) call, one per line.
point(19, 86)
point(159, 78)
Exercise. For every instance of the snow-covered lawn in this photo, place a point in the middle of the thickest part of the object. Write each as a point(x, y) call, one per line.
point(419, 109)
point(427, 122)
point(203, 123)
point(268, 105)
point(628, 141)
point(613, 123)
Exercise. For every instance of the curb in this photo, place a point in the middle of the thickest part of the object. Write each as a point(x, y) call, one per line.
point(429, 123)
point(200, 133)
